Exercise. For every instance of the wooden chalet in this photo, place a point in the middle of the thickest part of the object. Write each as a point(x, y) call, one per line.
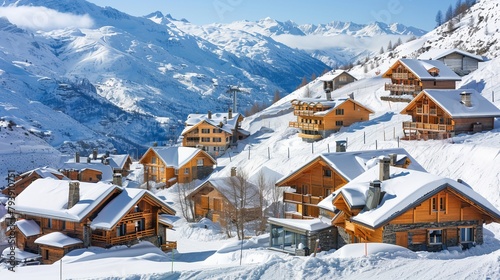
point(461, 62)
point(73, 215)
point(172, 165)
point(411, 76)
point(87, 169)
point(218, 199)
point(25, 179)
point(439, 114)
point(336, 79)
point(410, 208)
point(213, 132)
point(326, 173)
point(317, 118)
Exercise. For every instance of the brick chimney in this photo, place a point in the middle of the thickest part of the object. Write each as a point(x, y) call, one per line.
point(117, 179)
point(465, 99)
point(77, 157)
point(384, 164)
point(74, 193)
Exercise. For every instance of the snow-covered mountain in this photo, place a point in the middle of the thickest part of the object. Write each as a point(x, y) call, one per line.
point(125, 80)
point(335, 43)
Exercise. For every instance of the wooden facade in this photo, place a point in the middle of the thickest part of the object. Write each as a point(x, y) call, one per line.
point(312, 183)
point(446, 219)
point(430, 120)
point(157, 169)
point(24, 180)
point(405, 80)
point(318, 119)
point(461, 62)
point(213, 134)
point(215, 203)
point(83, 175)
point(140, 222)
point(336, 80)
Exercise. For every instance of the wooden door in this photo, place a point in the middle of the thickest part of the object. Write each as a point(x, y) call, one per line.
point(402, 239)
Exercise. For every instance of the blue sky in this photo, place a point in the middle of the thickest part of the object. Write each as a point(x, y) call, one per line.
point(418, 13)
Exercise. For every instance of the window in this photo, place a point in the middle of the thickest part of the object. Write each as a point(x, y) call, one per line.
point(46, 255)
point(121, 230)
point(438, 203)
point(205, 130)
point(153, 160)
point(217, 139)
point(466, 235)
point(205, 139)
point(186, 170)
point(435, 236)
point(339, 123)
point(442, 203)
point(176, 171)
point(217, 130)
point(199, 162)
point(339, 111)
point(49, 223)
point(63, 225)
point(327, 173)
point(342, 78)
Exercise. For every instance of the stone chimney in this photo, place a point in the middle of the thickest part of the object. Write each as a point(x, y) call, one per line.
point(230, 113)
point(328, 92)
point(394, 159)
point(384, 164)
point(77, 157)
point(117, 179)
point(233, 171)
point(209, 115)
point(74, 193)
point(94, 154)
point(374, 195)
point(465, 99)
point(341, 146)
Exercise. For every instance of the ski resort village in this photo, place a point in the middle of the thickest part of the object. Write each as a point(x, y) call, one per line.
point(148, 147)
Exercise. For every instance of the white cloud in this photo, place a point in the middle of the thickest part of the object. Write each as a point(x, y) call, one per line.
point(44, 19)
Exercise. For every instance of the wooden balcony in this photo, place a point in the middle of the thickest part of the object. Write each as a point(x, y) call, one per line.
point(301, 198)
point(307, 126)
point(310, 136)
point(192, 143)
point(399, 76)
point(108, 240)
point(402, 88)
point(304, 113)
point(428, 127)
point(137, 216)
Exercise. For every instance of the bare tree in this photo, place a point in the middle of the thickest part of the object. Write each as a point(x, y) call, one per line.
point(277, 96)
point(187, 205)
point(243, 196)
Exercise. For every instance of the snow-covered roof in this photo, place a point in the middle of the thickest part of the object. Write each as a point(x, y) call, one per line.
point(450, 101)
point(176, 157)
point(106, 170)
point(420, 69)
point(330, 76)
point(310, 225)
point(405, 189)
point(226, 186)
point(329, 104)
point(28, 227)
point(117, 161)
point(57, 239)
point(44, 172)
point(120, 206)
point(49, 198)
point(20, 255)
point(228, 124)
point(352, 164)
point(440, 53)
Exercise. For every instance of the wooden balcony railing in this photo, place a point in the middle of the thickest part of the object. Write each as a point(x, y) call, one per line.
point(301, 198)
point(428, 127)
point(425, 111)
point(403, 88)
point(304, 113)
point(307, 126)
point(136, 216)
point(123, 239)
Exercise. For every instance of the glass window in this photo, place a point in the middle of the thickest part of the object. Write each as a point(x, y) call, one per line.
point(466, 235)
point(327, 173)
point(435, 236)
point(205, 130)
point(186, 170)
point(339, 111)
point(339, 123)
point(153, 160)
point(199, 162)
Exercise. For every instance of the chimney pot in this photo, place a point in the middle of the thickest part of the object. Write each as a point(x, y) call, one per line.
point(230, 113)
point(465, 99)
point(394, 159)
point(384, 164)
point(117, 179)
point(209, 115)
point(233, 171)
point(341, 146)
point(374, 195)
point(74, 193)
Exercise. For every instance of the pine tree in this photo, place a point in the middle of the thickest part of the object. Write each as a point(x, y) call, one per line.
point(449, 14)
point(439, 18)
point(389, 46)
point(381, 50)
